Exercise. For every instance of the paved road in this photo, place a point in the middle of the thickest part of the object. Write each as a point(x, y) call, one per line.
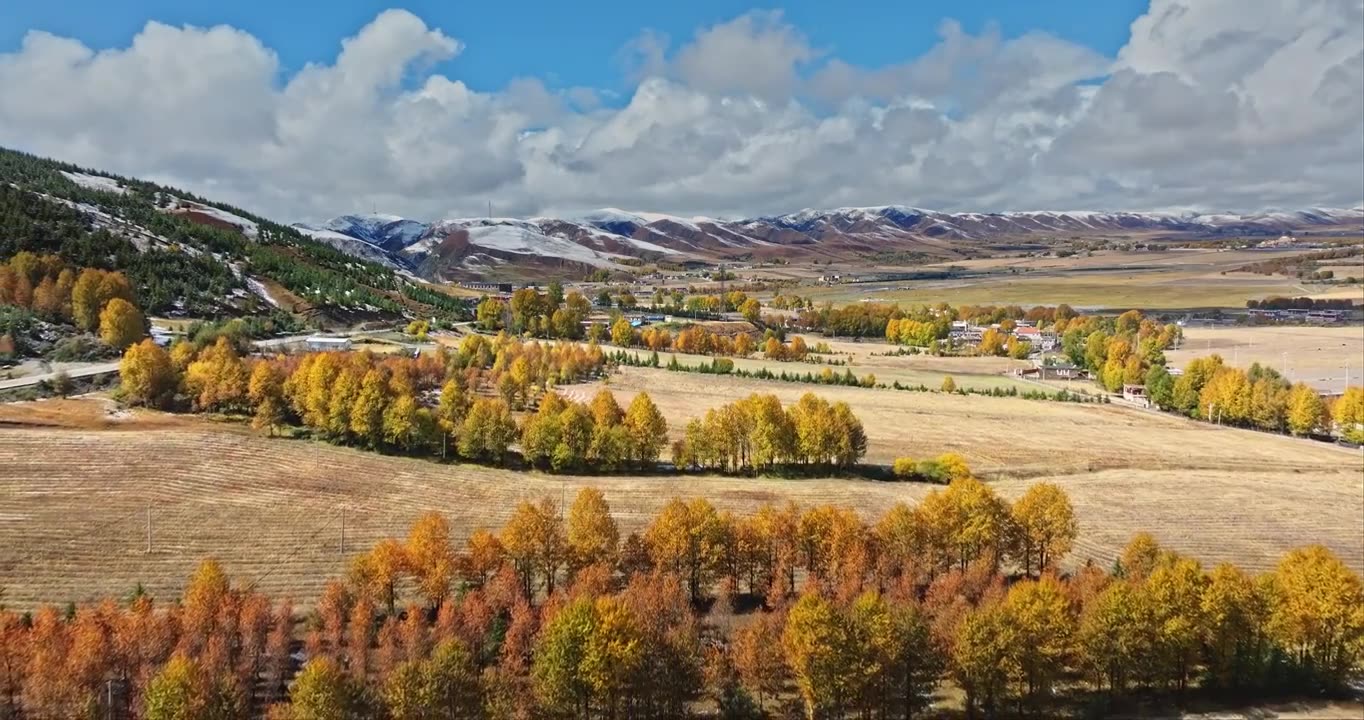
point(109, 367)
point(86, 371)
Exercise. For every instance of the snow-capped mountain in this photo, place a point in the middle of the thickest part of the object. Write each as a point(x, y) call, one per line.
point(610, 238)
point(389, 232)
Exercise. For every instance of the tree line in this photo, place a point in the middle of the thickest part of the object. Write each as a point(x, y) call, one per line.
point(555, 615)
point(757, 434)
point(93, 300)
point(441, 404)
point(1259, 398)
point(827, 376)
point(554, 314)
point(1300, 303)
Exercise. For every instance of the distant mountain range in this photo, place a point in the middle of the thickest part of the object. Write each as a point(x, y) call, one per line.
point(611, 238)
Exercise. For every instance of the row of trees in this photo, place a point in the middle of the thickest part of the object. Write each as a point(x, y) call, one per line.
point(430, 404)
point(94, 300)
point(757, 434)
point(873, 319)
point(759, 554)
point(563, 434)
point(558, 617)
point(1259, 397)
point(697, 340)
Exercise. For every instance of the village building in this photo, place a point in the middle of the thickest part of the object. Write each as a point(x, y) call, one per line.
point(319, 343)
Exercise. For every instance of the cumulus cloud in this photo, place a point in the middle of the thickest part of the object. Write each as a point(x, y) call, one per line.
point(1207, 106)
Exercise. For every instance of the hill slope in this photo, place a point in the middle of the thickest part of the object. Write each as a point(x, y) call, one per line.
point(188, 256)
point(609, 238)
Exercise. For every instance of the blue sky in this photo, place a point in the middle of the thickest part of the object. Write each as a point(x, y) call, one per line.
point(569, 44)
point(435, 109)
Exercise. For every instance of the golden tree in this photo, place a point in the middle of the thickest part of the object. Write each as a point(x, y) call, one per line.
point(647, 429)
point(1306, 410)
point(1040, 615)
point(687, 538)
point(430, 557)
point(1318, 613)
point(534, 542)
point(121, 324)
point(815, 641)
point(1348, 413)
point(1236, 608)
point(1045, 526)
point(146, 376)
point(592, 533)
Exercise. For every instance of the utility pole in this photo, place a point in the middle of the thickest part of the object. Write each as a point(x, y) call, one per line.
point(149, 529)
point(722, 289)
point(343, 530)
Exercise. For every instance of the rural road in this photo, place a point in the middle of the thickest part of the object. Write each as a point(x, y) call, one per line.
point(86, 371)
point(108, 367)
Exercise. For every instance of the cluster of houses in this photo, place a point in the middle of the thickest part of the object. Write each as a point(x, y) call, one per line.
point(1321, 316)
point(489, 287)
point(1042, 341)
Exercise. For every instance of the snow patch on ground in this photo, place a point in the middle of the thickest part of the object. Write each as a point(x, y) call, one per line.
point(522, 240)
point(247, 227)
point(95, 182)
point(258, 288)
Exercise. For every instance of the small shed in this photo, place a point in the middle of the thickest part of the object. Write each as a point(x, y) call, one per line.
point(320, 343)
point(1136, 394)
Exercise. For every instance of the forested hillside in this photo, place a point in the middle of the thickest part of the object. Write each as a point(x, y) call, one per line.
point(189, 256)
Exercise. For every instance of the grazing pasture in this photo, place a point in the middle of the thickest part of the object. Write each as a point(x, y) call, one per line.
point(77, 483)
point(1188, 278)
point(1318, 356)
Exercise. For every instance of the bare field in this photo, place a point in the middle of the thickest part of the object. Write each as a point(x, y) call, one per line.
point(1109, 280)
point(983, 373)
point(74, 497)
point(1318, 356)
point(1112, 290)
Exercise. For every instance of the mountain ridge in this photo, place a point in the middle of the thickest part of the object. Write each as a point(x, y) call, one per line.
point(612, 238)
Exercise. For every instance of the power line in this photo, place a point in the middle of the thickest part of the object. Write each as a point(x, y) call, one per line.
point(290, 556)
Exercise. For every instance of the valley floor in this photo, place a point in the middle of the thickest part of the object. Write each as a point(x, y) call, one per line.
point(78, 481)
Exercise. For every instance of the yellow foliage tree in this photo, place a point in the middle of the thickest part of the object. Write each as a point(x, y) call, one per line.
point(146, 376)
point(121, 324)
point(592, 533)
point(1348, 413)
point(1045, 526)
point(430, 557)
point(1318, 613)
point(1306, 410)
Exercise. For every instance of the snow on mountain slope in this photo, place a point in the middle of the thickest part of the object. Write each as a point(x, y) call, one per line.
point(390, 232)
point(215, 216)
point(508, 236)
point(601, 238)
point(95, 182)
point(352, 246)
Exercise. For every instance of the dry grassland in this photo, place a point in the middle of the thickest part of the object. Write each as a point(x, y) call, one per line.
point(1318, 356)
point(981, 373)
point(75, 486)
point(1109, 280)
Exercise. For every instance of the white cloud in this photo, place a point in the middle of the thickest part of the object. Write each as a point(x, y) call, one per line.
point(1208, 105)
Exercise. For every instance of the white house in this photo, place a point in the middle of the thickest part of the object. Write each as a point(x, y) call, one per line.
point(323, 342)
